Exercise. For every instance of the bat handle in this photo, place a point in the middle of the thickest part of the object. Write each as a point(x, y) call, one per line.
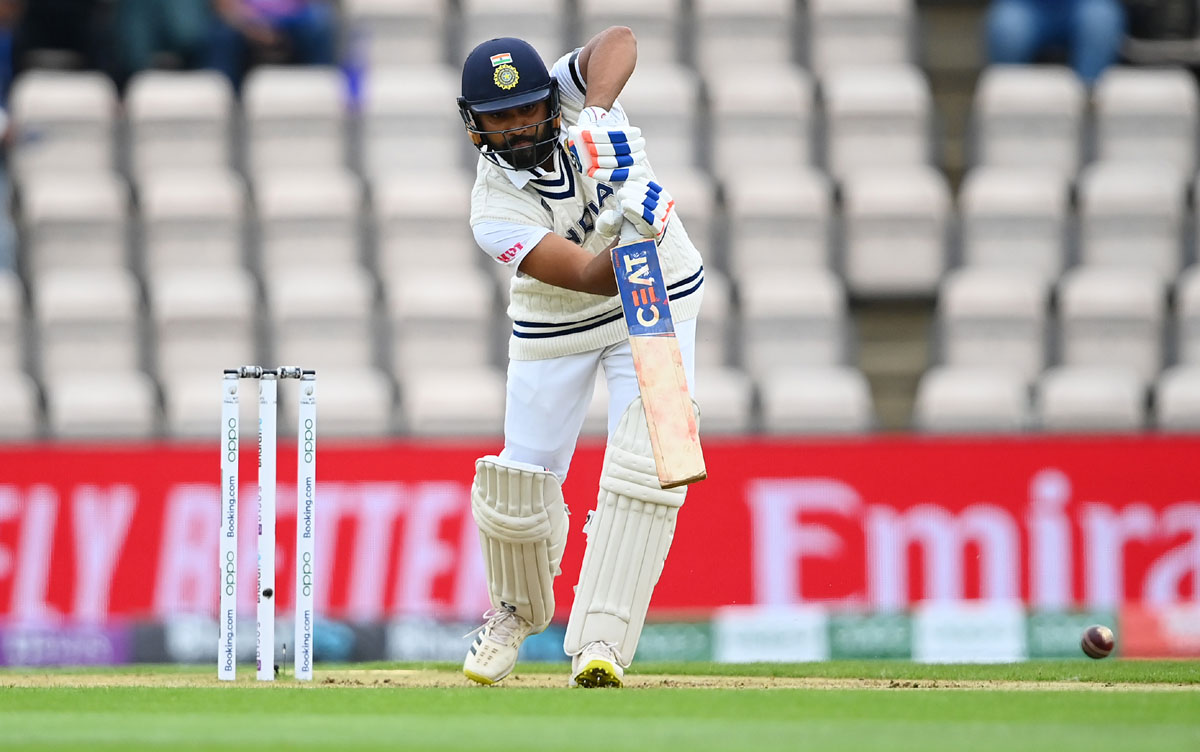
point(629, 232)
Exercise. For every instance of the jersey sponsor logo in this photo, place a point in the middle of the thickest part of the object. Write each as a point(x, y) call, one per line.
point(511, 253)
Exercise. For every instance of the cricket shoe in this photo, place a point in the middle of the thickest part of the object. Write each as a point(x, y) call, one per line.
point(494, 653)
point(597, 665)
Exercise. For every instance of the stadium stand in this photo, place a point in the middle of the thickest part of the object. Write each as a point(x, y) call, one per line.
point(12, 324)
point(993, 319)
point(1147, 115)
point(179, 120)
point(763, 119)
point(398, 32)
point(876, 117)
point(972, 400)
point(1015, 218)
point(896, 222)
point(659, 25)
point(1029, 116)
point(871, 262)
point(860, 32)
point(192, 217)
point(761, 33)
point(73, 221)
point(832, 400)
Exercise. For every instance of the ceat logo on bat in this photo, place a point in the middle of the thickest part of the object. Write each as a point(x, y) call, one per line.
point(643, 290)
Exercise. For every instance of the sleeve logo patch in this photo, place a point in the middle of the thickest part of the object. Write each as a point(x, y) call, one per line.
point(510, 254)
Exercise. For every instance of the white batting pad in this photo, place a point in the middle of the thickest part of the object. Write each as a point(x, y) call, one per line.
point(628, 538)
point(522, 522)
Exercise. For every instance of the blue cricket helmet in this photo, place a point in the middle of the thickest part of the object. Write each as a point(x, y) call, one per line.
point(500, 74)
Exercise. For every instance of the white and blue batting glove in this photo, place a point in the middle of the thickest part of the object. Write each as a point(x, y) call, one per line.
point(605, 147)
point(645, 204)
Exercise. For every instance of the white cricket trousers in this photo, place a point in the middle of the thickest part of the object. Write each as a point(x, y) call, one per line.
point(547, 400)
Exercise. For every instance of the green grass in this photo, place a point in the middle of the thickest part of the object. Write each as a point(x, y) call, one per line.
point(1092, 718)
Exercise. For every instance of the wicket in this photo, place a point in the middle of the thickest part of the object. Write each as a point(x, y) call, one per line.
point(305, 523)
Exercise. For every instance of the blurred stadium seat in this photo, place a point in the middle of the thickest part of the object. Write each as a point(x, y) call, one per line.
point(1083, 399)
point(972, 400)
point(192, 218)
point(1112, 317)
point(1132, 215)
point(1187, 316)
point(102, 404)
point(1147, 115)
point(179, 120)
point(994, 319)
point(423, 224)
point(294, 118)
point(458, 402)
point(779, 220)
point(834, 400)
point(664, 100)
point(1029, 116)
point(1177, 399)
point(876, 117)
point(726, 399)
point(791, 320)
point(88, 321)
point(410, 125)
point(717, 323)
point(759, 33)
point(64, 121)
point(308, 219)
point(397, 32)
point(440, 319)
point(1015, 218)
point(72, 221)
point(322, 318)
point(202, 317)
point(12, 321)
point(658, 25)
point(763, 118)
point(539, 22)
point(896, 223)
point(860, 32)
point(20, 413)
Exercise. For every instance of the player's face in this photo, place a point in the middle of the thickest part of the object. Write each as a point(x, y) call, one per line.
point(521, 134)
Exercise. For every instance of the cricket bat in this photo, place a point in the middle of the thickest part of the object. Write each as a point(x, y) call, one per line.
point(674, 434)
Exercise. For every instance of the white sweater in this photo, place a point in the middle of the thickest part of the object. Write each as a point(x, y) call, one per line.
point(551, 321)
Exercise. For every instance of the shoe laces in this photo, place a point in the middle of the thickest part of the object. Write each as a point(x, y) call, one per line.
point(500, 624)
point(603, 649)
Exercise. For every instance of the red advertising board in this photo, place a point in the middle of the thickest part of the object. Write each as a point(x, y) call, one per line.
point(93, 532)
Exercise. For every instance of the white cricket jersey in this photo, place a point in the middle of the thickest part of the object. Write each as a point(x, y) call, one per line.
point(512, 210)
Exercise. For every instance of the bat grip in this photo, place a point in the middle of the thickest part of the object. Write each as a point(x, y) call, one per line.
point(629, 232)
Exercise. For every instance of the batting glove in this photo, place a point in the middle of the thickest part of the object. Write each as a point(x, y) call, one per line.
point(645, 204)
point(605, 147)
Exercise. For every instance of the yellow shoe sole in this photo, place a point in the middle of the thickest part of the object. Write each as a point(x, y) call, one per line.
point(597, 674)
point(479, 678)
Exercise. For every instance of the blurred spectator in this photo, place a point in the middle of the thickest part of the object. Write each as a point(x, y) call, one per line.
point(252, 31)
point(147, 31)
point(10, 13)
point(1162, 19)
point(61, 33)
point(1090, 32)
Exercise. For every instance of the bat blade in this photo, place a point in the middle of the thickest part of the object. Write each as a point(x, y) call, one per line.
point(674, 433)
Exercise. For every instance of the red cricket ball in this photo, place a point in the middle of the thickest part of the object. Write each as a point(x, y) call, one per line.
point(1098, 641)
